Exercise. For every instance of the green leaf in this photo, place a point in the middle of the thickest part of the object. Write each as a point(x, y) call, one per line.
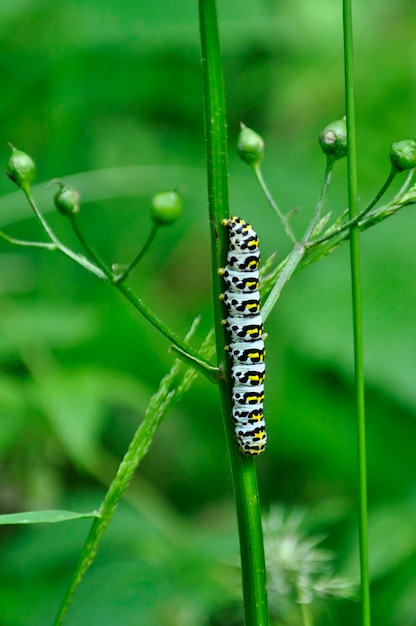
point(44, 517)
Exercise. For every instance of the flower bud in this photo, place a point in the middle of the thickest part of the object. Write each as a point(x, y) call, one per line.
point(166, 207)
point(66, 199)
point(20, 168)
point(250, 145)
point(403, 155)
point(333, 139)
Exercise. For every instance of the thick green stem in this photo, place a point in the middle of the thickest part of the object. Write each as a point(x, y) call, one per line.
point(242, 468)
point(357, 310)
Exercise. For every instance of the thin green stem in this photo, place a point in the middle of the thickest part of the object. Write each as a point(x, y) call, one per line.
point(357, 310)
point(316, 253)
point(101, 270)
point(81, 260)
point(28, 244)
point(404, 187)
point(242, 468)
point(282, 217)
point(329, 165)
point(213, 374)
point(305, 611)
point(171, 390)
point(288, 268)
point(124, 274)
point(306, 252)
point(40, 217)
point(357, 218)
point(135, 301)
point(298, 252)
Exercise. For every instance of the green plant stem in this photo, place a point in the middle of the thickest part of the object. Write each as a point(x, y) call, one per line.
point(282, 217)
point(137, 302)
point(329, 165)
point(403, 189)
point(213, 374)
point(124, 274)
point(357, 310)
point(242, 468)
point(103, 271)
point(60, 246)
point(305, 611)
point(28, 244)
point(295, 257)
point(171, 389)
point(357, 218)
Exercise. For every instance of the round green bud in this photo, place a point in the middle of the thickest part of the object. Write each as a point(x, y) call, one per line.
point(20, 168)
point(403, 155)
point(66, 199)
point(166, 207)
point(250, 145)
point(333, 139)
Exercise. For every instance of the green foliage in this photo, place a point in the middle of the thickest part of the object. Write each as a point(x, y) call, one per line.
point(108, 97)
point(43, 517)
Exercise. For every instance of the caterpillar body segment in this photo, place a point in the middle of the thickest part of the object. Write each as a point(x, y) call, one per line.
point(252, 375)
point(242, 303)
point(247, 396)
point(243, 262)
point(245, 327)
point(241, 282)
point(254, 353)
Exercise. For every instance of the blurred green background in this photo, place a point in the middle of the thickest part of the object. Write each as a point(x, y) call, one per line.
point(107, 95)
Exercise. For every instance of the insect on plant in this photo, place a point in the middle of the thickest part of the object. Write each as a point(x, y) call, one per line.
point(233, 360)
point(245, 327)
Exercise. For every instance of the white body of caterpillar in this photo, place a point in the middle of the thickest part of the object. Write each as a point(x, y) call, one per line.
point(245, 326)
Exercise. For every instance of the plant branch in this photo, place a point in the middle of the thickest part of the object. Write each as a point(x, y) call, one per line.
point(307, 252)
point(124, 274)
point(282, 217)
point(171, 389)
point(57, 244)
point(306, 614)
point(321, 200)
point(135, 301)
point(357, 310)
point(212, 373)
point(333, 231)
point(101, 270)
point(293, 260)
point(28, 244)
point(242, 468)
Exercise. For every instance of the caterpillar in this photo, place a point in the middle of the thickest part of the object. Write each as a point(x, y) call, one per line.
point(245, 327)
